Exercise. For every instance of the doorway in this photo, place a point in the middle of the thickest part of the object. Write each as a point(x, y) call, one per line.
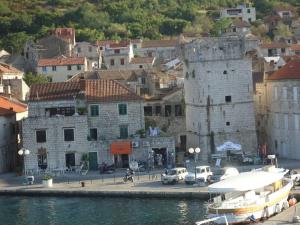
point(93, 161)
point(70, 159)
point(160, 157)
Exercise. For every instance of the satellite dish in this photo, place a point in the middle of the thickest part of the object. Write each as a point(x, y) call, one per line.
point(134, 165)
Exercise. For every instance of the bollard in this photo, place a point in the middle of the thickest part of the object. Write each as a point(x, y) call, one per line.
point(91, 181)
point(114, 178)
point(68, 180)
point(82, 184)
point(102, 179)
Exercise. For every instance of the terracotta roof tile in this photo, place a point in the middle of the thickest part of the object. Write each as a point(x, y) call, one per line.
point(159, 43)
point(141, 60)
point(4, 68)
point(291, 70)
point(94, 90)
point(295, 47)
point(12, 105)
point(274, 45)
point(6, 112)
point(61, 61)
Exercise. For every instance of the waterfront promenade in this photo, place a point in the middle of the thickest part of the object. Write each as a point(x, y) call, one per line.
point(145, 185)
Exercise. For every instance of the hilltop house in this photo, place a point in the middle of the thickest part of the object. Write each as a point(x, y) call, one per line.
point(101, 118)
point(244, 12)
point(61, 68)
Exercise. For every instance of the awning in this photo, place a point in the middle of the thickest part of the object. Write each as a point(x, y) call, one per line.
point(121, 147)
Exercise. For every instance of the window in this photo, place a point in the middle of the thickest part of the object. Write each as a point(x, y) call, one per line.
point(134, 46)
point(40, 136)
point(187, 75)
point(193, 74)
point(228, 98)
point(66, 111)
point(112, 62)
point(143, 80)
point(69, 67)
point(117, 51)
point(248, 10)
point(122, 61)
point(296, 121)
point(148, 110)
point(93, 134)
point(276, 144)
point(178, 110)
point(90, 48)
point(69, 77)
point(275, 93)
point(284, 92)
point(286, 121)
point(122, 109)
point(42, 161)
point(141, 66)
point(94, 110)
point(234, 29)
point(276, 120)
point(168, 110)
point(227, 123)
point(53, 68)
point(295, 94)
point(44, 68)
point(78, 67)
point(69, 134)
point(249, 20)
point(78, 49)
point(283, 50)
point(225, 72)
point(124, 131)
point(158, 110)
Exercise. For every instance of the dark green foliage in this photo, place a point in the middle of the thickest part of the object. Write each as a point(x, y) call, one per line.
point(115, 19)
point(30, 79)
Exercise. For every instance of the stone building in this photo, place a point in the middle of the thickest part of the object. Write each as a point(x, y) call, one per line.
point(277, 111)
point(219, 93)
point(11, 113)
point(101, 118)
point(244, 12)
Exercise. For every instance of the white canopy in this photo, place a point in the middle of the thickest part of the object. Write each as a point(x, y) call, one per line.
point(228, 145)
point(246, 181)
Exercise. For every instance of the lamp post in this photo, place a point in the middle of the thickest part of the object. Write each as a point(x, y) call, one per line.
point(195, 152)
point(23, 152)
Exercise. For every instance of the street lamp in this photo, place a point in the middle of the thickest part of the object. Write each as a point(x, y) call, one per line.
point(23, 152)
point(195, 152)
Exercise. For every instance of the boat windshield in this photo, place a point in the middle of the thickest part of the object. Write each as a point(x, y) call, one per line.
point(219, 172)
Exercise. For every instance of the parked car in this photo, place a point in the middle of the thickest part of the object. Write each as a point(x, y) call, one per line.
point(203, 174)
point(223, 173)
point(174, 175)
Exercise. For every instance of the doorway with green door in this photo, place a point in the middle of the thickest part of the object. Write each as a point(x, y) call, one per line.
point(93, 160)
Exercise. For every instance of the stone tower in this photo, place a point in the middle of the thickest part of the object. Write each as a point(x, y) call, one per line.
point(219, 93)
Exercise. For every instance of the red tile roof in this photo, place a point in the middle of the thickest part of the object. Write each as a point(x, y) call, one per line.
point(159, 43)
point(4, 68)
point(12, 105)
point(61, 61)
point(142, 60)
point(291, 70)
point(93, 90)
point(274, 45)
point(6, 112)
point(67, 34)
point(295, 47)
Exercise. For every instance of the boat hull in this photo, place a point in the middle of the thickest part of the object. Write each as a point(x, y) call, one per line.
point(276, 202)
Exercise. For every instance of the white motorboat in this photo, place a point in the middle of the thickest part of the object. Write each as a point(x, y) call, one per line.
point(249, 196)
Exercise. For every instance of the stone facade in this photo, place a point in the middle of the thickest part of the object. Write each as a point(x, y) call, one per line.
point(278, 115)
point(219, 94)
point(107, 122)
point(244, 12)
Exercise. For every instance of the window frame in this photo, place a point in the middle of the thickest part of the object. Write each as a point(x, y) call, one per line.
point(69, 67)
point(36, 136)
point(93, 138)
point(91, 110)
point(69, 129)
point(121, 127)
point(121, 111)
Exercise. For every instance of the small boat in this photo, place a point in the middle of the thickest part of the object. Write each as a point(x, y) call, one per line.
point(249, 196)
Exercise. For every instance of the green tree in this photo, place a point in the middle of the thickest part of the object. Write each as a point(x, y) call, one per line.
point(30, 79)
point(15, 42)
point(283, 30)
point(220, 26)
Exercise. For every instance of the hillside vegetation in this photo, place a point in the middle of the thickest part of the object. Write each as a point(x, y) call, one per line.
point(21, 20)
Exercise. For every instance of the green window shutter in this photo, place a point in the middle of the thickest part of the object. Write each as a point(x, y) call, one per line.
point(122, 109)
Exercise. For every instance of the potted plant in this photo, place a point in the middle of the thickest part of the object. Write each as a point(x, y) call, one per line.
point(47, 180)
